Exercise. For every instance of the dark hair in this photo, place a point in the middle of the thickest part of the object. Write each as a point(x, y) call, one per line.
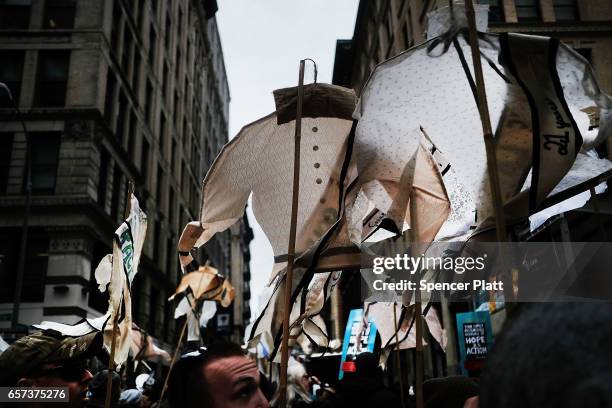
point(552, 355)
point(367, 365)
point(187, 376)
point(97, 386)
point(448, 392)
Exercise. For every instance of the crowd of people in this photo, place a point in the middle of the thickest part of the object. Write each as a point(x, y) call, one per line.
point(548, 355)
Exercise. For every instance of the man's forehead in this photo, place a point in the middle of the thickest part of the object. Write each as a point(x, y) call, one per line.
point(233, 366)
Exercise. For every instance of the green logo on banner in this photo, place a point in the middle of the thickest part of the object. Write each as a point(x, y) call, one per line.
point(127, 249)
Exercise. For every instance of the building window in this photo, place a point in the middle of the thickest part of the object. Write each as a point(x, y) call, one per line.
point(44, 152)
point(168, 32)
point(400, 9)
point(15, 14)
point(35, 268)
point(144, 161)
point(160, 186)
point(527, 10)
point(152, 45)
point(136, 73)
point(133, 133)
point(6, 147)
point(496, 10)
point(59, 14)
point(11, 71)
point(149, 101)
point(154, 8)
point(35, 273)
point(173, 157)
point(177, 66)
point(141, 14)
point(52, 78)
point(103, 177)
point(170, 256)
point(116, 193)
point(162, 133)
point(166, 81)
point(109, 97)
point(127, 50)
point(565, 10)
point(116, 26)
point(176, 107)
point(120, 126)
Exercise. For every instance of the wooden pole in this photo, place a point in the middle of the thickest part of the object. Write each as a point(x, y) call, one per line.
point(485, 120)
point(419, 350)
point(174, 356)
point(291, 248)
point(195, 305)
point(492, 169)
point(397, 357)
point(415, 251)
point(111, 362)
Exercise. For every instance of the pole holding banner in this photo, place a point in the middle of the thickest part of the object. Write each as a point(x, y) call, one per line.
point(415, 251)
point(485, 120)
point(111, 361)
point(397, 357)
point(492, 169)
point(291, 248)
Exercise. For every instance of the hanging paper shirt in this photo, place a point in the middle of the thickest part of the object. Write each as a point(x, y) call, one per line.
point(533, 102)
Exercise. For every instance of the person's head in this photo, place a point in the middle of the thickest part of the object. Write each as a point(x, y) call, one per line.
point(448, 392)
point(298, 386)
point(97, 386)
point(218, 377)
point(367, 365)
point(551, 355)
point(48, 359)
point(297, 375)
point(130, 398)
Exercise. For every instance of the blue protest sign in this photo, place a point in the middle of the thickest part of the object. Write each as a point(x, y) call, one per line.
point(475, 337)
point(356, 342)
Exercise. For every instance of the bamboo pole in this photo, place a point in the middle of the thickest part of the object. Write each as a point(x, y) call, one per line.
point(291, 248)
point(111, 362)
point(397, 357)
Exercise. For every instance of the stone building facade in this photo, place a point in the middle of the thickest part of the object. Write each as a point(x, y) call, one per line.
point(110, 91)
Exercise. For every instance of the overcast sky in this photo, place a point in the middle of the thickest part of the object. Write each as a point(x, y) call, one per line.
point(263, 42)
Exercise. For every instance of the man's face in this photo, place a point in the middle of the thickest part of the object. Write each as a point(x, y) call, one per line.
point(234, 382)
point(73, 375)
